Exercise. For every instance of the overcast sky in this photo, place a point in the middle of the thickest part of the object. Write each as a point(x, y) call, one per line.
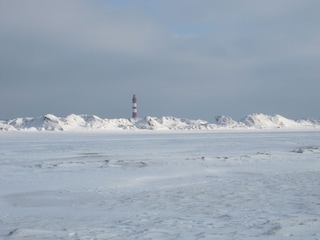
point(183, 58)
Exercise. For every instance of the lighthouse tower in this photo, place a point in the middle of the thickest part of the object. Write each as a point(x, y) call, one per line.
point(134, 107)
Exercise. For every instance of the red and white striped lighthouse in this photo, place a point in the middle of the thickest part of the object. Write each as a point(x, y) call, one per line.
point(134, 107)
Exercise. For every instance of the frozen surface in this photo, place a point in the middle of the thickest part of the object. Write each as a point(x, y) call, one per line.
point(160, 185)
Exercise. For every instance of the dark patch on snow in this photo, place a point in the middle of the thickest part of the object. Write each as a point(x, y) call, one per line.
point(311, 149)
point(13, 232)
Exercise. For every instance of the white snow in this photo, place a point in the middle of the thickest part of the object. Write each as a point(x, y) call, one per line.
point(85, 122)
point(266, 121)
point(157, 184)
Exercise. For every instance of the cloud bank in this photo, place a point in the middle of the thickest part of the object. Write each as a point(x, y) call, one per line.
point(181, 58)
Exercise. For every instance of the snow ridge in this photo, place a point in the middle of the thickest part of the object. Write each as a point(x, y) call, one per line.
point(84, 122)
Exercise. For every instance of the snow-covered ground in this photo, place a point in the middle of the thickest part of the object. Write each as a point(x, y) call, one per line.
point(85, 122)
point(160, 185)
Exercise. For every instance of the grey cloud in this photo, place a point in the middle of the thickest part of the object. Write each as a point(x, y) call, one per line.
point(191, 60)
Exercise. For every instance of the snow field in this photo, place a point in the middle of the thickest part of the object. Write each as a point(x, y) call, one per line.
point(168, 185)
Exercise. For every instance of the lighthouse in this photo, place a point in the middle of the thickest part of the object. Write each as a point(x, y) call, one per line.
point(134, 107)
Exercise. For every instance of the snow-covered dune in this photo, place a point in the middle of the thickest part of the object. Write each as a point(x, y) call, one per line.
point(267, 121)
point(84, 122)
